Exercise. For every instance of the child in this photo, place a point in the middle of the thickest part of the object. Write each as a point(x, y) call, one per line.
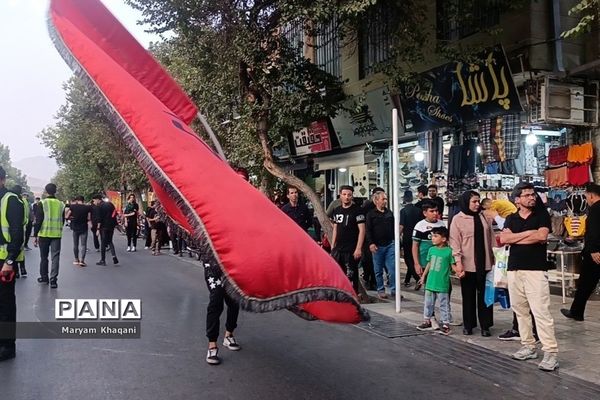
point(437, 280)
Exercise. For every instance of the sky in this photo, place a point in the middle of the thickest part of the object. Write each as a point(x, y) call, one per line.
point(32, 72)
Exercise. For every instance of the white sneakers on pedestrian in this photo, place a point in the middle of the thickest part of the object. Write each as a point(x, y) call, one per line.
point(128, 248)
point(212, 356)
point(549, 363)
point(133, 248)
point(231, 344)
point(525, 353)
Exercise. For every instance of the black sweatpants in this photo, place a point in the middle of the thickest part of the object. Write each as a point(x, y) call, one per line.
point(95, 236)
point(131, 232)
point(472, 288)
point(106, 240)
point(409, 260)
point(8, 312)
point(217, 298)
point(348, 264)
point(586, 284)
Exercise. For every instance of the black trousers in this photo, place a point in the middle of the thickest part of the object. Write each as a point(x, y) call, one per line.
point(472, 287)
point(28, 228)
point(367, 265)
point(131, 232)
point(106, 240)
point(95, 236)
point(586, 284)
point(348, 264)
point(8, 313)
point(409, 260)
point(217, 298)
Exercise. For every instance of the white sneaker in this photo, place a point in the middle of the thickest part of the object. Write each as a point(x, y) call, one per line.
point(549, 363)
point(525, 353)
point(212, 356)
point(133, 249)
point(146, 247)
point(230, 343)
point(434, 324)
point(128, 248)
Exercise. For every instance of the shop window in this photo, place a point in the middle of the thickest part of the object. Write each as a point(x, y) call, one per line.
point(457, 19)
point(375, 37)
point(327, 48)
point(293, 32)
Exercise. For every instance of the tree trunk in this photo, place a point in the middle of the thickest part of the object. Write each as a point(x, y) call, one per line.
point(292, 180)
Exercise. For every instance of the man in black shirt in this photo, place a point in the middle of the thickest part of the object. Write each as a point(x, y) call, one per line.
point(590, 268)
point(95, 216)
point(106, 227)
point(409, 216)
point(79, 214)
point(380, 237)
point(527, 231)
point(348, 235)
point(422, 192)
point(11, 240)
point(432, 191)
point(367, 257)
point(297, 211)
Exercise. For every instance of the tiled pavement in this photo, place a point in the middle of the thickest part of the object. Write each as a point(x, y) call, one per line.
point(579, 342)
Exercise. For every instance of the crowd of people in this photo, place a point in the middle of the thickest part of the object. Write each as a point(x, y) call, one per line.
point(363, 237)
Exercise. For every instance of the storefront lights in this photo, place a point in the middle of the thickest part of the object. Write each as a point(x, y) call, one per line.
point(342, 169)
point(419, 156)
point(531, 139)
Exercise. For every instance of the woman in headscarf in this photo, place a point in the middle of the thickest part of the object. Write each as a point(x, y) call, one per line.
point(471, 238)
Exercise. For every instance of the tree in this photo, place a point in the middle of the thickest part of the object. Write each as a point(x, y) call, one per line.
point(588, 12)
point(85, 145)
point(14, 176)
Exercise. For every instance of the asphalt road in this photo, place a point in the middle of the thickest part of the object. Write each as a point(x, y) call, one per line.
point(282, 356)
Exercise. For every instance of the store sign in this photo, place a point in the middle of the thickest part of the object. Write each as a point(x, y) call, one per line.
point(313, 139)
point(458, 92)
point(365, 119)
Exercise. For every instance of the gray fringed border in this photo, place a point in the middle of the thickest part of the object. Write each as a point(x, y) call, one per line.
point(290, 301)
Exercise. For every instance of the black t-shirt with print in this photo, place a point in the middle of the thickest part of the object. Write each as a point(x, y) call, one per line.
point(347, 220)
point(529, 257)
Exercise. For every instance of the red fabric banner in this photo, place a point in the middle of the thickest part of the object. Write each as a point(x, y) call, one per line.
point(269, 262)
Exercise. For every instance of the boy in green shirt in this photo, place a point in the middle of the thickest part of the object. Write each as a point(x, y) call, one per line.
point(437, 280)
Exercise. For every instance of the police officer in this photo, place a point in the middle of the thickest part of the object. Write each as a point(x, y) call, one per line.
point(11, 240)
point(49, 221)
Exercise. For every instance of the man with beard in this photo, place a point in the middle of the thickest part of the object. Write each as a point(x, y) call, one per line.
point(527, 232)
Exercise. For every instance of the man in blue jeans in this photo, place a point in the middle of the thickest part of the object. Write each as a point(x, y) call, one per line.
point(380, 237)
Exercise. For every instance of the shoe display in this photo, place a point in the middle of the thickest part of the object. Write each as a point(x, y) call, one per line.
point(231, 343)
point(549, 362)
point(525, 353)
point(510, 335)
point(212, 356)
point(426, 326)
point(115, 260)
point(568, 314)
point(43, 280)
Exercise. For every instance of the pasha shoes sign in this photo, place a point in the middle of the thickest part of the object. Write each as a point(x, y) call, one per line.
point(460, 91)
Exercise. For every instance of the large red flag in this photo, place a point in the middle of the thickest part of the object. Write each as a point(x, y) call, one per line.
point(268, 261)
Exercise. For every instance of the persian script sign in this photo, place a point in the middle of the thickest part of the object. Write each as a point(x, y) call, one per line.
point(313, 139)
point(458, 92)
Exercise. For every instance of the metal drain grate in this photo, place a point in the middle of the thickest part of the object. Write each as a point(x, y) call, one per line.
point(389, 327)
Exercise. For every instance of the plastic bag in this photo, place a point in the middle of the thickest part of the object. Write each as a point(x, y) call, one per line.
point(502, 298)
point(489, 295)
point(500, 267)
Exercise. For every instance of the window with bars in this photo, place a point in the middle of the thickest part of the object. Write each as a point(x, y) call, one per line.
point(457, 19)
point(327, 49)
point(294, 34)
point(375, 38)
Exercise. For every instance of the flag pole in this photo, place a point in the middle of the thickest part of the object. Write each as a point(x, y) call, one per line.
point(212, 136)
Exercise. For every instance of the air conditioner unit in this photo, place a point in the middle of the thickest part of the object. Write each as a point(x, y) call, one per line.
point(562, 103)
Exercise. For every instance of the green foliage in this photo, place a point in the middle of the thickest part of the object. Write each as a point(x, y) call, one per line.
point(84, 144)
point(14, 176)
point(588, 12)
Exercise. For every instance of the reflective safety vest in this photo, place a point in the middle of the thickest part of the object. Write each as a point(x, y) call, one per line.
point(52, 225)
point(4, 223)
point(26, 211)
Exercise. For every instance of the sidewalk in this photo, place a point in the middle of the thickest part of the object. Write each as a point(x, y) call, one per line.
point(578, 342)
